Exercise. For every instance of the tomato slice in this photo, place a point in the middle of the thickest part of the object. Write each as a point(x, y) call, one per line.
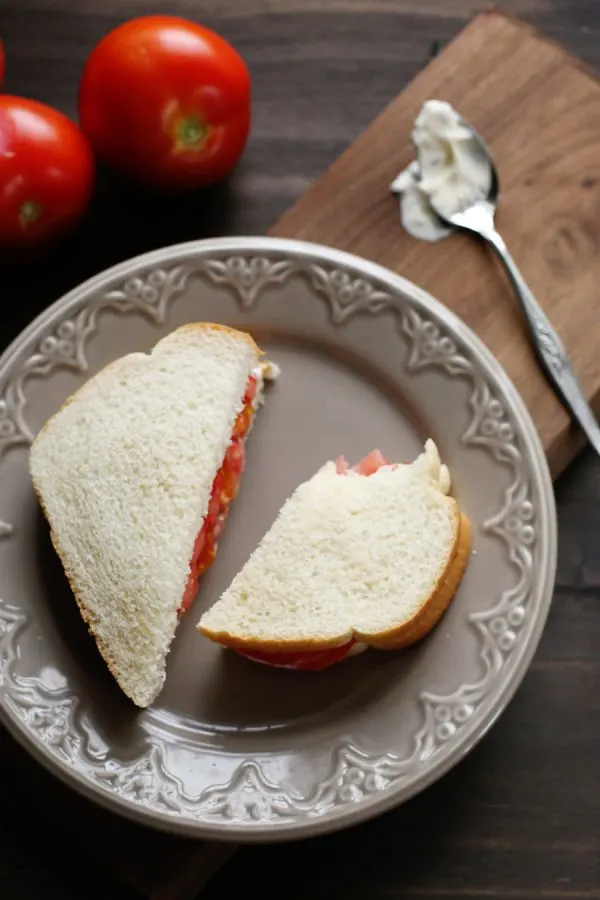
point(370, 463)
point(341, 466)
point(224, 490)
point(312, 660)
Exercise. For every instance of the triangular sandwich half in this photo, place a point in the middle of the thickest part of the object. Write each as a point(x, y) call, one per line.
point(363, 557)
point(135, 474)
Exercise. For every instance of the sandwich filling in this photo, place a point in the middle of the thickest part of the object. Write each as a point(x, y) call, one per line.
point(316, 660)
point(224, 490)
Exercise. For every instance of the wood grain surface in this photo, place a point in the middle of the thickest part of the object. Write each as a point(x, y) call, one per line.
point(520, 817)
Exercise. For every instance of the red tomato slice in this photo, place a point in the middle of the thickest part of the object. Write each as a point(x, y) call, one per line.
point(251, 388)
point(224, 490)
point(309, 661)
point(370, 463)
point(341, 465)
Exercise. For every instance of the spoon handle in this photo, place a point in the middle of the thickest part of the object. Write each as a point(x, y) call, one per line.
point(549, 346)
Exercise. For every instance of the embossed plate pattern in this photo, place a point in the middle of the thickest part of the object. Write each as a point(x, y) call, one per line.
point(231, 749)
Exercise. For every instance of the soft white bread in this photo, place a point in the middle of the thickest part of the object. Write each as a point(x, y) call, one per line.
point(124, 472)
point(377, 558)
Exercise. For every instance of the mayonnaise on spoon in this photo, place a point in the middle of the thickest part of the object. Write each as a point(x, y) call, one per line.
point(450, 172)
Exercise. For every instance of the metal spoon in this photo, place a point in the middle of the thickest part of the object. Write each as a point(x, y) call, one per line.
point(479, 219)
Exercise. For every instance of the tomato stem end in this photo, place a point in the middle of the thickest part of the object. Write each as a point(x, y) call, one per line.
point(192, 133)
point(29, 212)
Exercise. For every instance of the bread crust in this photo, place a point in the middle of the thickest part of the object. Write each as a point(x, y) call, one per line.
point(409, 632)
point(215, 326)
point(430, 613)
point(258, 646)
point(189, 326)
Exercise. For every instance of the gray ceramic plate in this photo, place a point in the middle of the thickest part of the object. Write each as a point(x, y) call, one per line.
point(232, 749)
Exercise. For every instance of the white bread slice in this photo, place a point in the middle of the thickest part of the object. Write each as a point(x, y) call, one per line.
point(124, 472)
point(376, 558)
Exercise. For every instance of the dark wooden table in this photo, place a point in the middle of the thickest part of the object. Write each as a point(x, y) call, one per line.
point(520, 818)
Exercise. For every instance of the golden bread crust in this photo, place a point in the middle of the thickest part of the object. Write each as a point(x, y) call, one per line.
point(408, 632)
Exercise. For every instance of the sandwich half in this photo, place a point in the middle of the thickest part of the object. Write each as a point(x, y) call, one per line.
point(135, 474)
point(369, 556)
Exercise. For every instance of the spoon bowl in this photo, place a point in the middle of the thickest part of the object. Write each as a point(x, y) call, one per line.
point(478, 216)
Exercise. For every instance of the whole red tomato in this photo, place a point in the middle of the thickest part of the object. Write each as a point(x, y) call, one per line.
point(46, 172)
point(166, 102)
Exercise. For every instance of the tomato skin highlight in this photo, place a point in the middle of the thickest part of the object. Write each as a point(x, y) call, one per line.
point(46, 173)
point(166, 102)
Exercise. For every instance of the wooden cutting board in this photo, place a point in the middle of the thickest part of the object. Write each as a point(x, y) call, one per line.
point(539, 109)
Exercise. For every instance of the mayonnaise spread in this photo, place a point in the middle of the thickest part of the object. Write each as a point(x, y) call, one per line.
point(449, 174)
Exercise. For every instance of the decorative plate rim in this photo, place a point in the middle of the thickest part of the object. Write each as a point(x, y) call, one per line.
point(471, 731)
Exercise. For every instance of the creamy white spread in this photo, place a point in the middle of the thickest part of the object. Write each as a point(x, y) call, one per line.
point(449, 174)
point(264, 371)
point(270, 370)
point(438, 472)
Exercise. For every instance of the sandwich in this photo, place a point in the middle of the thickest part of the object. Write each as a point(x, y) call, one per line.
point(358, 557)
point(135, 475)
